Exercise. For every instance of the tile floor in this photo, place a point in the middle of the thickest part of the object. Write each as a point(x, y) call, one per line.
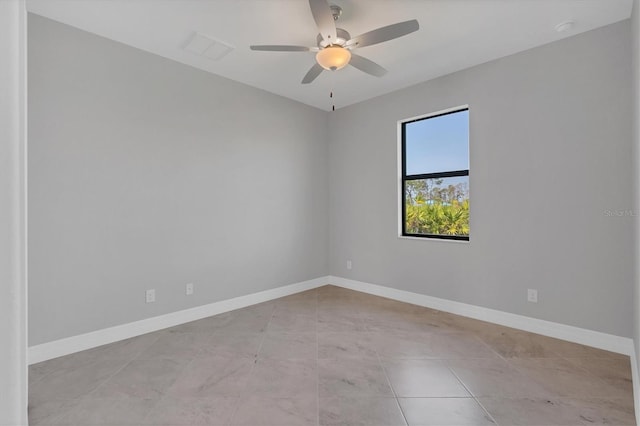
point(331, 356)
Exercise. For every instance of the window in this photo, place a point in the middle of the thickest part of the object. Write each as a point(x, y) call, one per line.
point(435, 176)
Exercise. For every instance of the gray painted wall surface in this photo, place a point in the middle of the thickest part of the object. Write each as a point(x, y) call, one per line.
point(550, 132)
point(145, 173)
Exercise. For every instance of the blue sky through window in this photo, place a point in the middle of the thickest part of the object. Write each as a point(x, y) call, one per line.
point(438, 144)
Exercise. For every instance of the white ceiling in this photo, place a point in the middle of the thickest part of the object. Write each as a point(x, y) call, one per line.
point(453, 35)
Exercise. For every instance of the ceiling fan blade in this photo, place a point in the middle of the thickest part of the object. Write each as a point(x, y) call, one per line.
point(384, 34)
point(278, 48)
point(312, 74)
point(366, 65)
point(324, 19)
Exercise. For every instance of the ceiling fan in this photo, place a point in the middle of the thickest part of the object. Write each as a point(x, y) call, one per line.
point(335, 45)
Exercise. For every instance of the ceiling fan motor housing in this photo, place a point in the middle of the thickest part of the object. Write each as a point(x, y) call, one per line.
point(341, 40)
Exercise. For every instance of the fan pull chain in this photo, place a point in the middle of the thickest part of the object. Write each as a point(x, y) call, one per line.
point(333, 85)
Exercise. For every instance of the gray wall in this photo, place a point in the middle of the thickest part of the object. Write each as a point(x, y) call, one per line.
point(145, 173)
point(550, 142)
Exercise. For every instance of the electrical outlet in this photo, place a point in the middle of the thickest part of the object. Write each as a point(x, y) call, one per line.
point(349, 265)
point(189, 289)
point(532, 295)
point(150, 295)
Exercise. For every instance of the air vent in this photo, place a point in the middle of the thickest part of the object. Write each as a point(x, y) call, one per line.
point(208, 47)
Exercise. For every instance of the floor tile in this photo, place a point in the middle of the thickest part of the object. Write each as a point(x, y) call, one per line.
point(519, 344)
point(284, 378)
point(171, 345)
point(461, 345)
point(231, 345)
point(289, 345)
point(146, 379)
point(260, 309)
point(289, 322)
point(351, 377)
point(558, 411)
point(211, 411)
point(346, 345)
point(444, 321)
point(444, 412)
point(423, 378)
point(109, 412)
point(305, 309)
point(404, 345)
point(605, 411)
point(338, 306)
point(360, 411)
point(332, 321)
point(247, 321)
point(74, 383)
point(395, 323)
point(36, 374)
point(532, 411)
point(213, 376)
point(201, 344)
point(613, 371)
point(297, 305)
point(123, 350)
point(45, 413)
point(561, 378)
point(268, 411)
point(377, 304)
point(494, 377)
point(575, 350)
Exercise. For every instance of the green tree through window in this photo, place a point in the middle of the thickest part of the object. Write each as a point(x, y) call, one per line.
point(435, 176)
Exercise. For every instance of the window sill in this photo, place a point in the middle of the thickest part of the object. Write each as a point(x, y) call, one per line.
point(444, 240)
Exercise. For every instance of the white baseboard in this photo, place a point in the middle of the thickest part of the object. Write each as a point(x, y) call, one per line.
point(93, 339)
point(596, 339)
point(57, 348)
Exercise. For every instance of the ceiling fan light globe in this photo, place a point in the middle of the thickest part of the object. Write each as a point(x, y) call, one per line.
point(333, 58)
